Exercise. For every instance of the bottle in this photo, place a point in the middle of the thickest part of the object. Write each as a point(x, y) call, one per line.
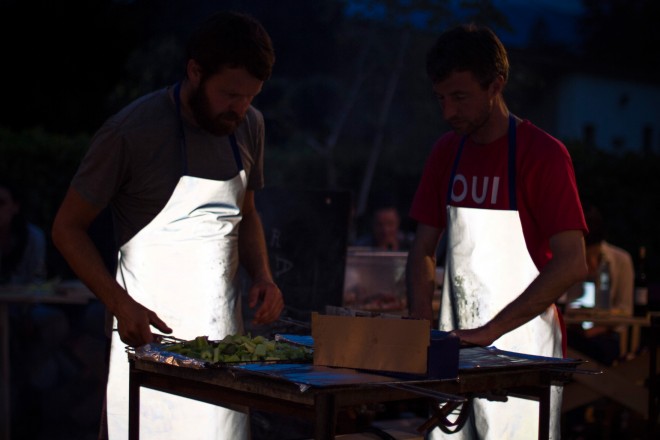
point(641, 287)
point(603, 291)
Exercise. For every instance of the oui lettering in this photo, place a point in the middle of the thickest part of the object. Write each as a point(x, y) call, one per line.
point(476, 190)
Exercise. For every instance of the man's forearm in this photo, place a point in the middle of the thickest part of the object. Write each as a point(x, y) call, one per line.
point(555, 278)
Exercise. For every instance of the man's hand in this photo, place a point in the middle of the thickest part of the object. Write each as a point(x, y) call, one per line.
point(134, 321)
point(479, 336)
point(271, 299)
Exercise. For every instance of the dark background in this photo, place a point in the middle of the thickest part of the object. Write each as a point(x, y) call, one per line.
point(348, 114)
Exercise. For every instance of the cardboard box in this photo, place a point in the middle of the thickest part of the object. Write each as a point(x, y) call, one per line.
point(395, 345)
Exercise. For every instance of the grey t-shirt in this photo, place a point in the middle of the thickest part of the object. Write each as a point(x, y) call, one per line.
point(135, 160)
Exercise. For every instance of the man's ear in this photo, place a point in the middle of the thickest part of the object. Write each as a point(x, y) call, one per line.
point(194, 72)
point(497, 86)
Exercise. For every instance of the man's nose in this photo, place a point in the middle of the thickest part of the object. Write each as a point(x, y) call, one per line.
point(240, 105)
point(448, 110)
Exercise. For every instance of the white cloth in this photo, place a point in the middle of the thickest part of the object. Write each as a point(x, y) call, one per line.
point(487, 267)
point(183, 265)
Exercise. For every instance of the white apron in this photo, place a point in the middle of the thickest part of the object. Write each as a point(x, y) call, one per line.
point(488, 266)
point(183, 266)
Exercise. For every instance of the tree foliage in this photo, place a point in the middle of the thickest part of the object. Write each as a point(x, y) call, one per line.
point(348, 106)
point(622, 35)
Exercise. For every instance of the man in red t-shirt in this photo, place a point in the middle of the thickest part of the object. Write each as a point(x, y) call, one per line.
point(504, 194)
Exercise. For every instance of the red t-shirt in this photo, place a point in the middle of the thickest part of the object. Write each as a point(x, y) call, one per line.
point(547, 195)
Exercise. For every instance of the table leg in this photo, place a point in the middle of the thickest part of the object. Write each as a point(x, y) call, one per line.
point(544, 413)
point(624, 342)
point(635, 339)
point(5, 395)
point(653, 410)
point(326, 417)
point(134, 405)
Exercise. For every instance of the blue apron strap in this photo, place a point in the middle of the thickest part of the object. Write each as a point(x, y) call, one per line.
point(184, 157)
point(453, 170)
point(454, 309)
point(236, 151)
point(513, 205)
point(513, 200)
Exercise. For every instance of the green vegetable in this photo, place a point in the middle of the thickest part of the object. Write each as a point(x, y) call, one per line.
point(239, 348)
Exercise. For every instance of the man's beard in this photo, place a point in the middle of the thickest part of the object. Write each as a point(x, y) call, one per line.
point(465, 127)
point(220, 124)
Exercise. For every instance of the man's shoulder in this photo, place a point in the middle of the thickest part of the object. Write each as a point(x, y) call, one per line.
point(252, 130)
point(538, 145)
point(445, 146)
point(448, 139)
point(151, 115)
point(615, 252)
point(527, 129)
point(254, 113)
point(153, 106)
point(254, 117)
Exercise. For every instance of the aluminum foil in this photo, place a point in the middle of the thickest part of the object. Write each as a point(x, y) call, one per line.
point(157, 353)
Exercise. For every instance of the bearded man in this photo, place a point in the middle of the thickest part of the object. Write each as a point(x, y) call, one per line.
point(178, 168)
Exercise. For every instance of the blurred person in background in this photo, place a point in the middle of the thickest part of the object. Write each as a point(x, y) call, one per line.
point(386, 233)
point(37, 330)
point(604, 343)
point(179, 168)
point(22, 244)
point(504, 193)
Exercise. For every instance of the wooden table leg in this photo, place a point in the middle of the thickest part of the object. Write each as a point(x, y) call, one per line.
point(326, 417)
point(134, 405)
point(635, 339)
point(653, 410)
point(5, 395)
point(544, 413)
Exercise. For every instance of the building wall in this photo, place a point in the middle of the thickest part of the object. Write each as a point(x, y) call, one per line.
point(624, 116)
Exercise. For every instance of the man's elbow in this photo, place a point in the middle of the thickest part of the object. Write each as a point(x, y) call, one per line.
point(62, 231)
point(579, 270)
point(57, 233)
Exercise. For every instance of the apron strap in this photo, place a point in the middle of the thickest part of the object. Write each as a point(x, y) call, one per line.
point(513, 203)
point(454, 167)
point(184, 148)
point(236, 151)
point(182, 132)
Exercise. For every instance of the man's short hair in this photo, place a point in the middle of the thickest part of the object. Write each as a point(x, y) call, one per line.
point(469, 48)
point(232, 39)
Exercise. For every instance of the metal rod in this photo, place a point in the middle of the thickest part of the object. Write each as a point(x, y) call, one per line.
point(428, 393)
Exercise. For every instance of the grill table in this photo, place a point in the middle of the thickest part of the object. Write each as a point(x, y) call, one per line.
point(318, 393)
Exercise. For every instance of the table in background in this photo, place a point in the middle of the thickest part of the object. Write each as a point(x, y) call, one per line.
point(622, 387)
point(61, 293)
point(630, 343)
